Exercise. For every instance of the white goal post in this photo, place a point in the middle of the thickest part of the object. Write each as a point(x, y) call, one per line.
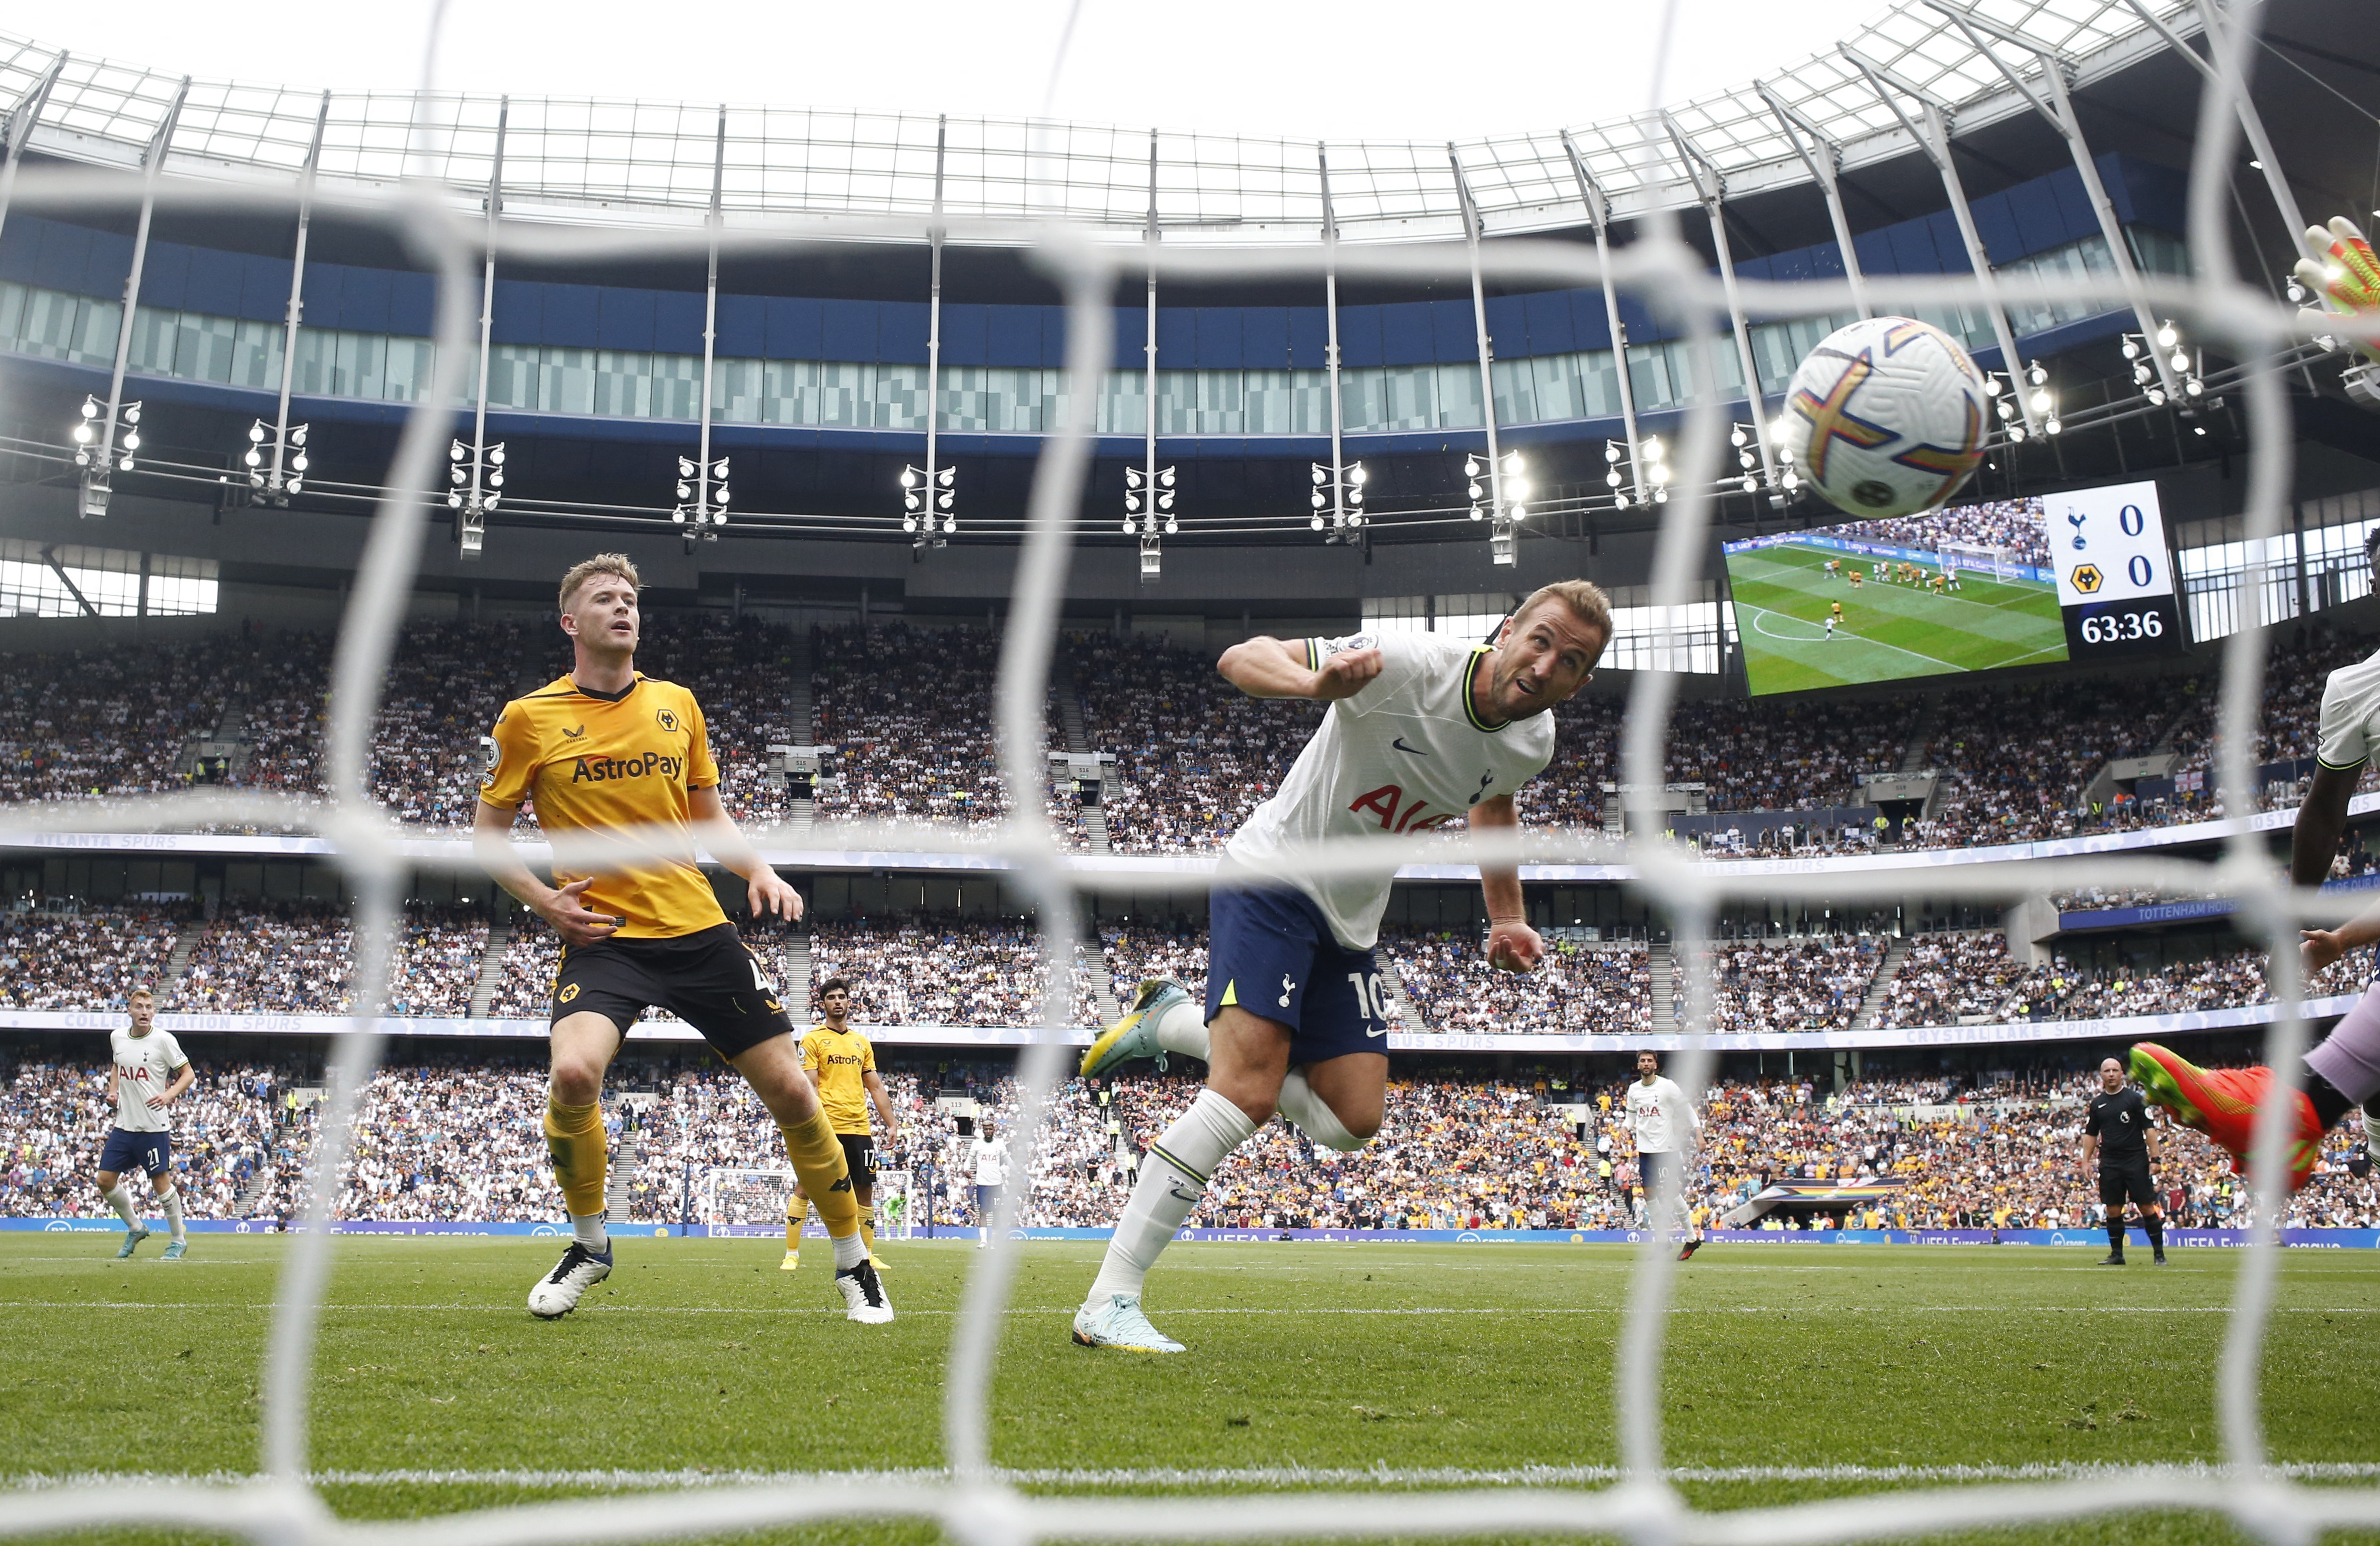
point(1975, 558)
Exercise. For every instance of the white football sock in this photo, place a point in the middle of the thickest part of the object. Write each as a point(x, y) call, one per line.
point(172, 1202)
point(119, 1197)
point(849, 1251)
point(1313, 1115)
point(592, 1234)
point(1172, 1176)
point(1183, 1029)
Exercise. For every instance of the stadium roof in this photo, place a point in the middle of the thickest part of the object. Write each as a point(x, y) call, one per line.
point(638, 163)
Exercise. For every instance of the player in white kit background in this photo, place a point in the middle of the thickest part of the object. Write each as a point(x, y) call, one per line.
point(1667, 1131)
point(1424, 730)
point(987, 1158)
point(148, 1074)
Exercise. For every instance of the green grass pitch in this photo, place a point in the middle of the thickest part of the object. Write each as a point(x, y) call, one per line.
point(1890, 631)
point(437, 1392)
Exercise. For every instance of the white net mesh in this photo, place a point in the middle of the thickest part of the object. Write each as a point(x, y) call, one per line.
point(972, 1499)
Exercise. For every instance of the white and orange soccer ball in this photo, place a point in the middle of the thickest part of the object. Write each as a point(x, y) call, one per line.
point(1887, 417)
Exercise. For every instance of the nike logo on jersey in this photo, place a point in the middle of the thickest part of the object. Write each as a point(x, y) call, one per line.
point(1400, 744)
point(1370, 1031)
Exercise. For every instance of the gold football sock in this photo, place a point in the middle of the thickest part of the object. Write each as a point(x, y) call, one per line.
point(867, 1225)
point(817, 1154)
point(574, 1136)
point(797, 1212)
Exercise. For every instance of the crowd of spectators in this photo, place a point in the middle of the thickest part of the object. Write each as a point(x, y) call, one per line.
point(297, 958)
point(1813, 983)
point(2017, 526)
point(1754, 755)
point(463, 1140)
point(908, 710)
point(89, 957)
point(1581, 986)
point(1947, 979)
point(1194, 755)
point(937, 971)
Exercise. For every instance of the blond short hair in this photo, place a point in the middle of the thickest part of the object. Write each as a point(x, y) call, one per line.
point(141, 992)
point(1584, 597)
point(618, 564)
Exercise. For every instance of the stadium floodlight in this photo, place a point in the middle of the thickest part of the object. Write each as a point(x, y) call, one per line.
point(477, 475)
point(702, 499)
point(1498, 492)
point(928, 503)
point(1337, 502)
point(1149, 511)
point(100, 449)
point(276, 462)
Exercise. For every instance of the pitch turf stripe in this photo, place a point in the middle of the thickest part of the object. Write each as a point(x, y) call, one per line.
point(1259, 1475)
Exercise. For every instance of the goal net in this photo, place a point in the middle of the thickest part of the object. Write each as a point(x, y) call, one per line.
point(743, 1201)
point(1969, 558)
point(730, 1201)
point(417, 194)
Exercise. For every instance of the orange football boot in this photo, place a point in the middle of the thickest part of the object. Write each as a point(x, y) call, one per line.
point(2222, 1103)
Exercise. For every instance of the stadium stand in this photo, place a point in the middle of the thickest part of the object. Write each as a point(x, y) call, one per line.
point(1192, 755)
point(461, 1140)
point(87, 958)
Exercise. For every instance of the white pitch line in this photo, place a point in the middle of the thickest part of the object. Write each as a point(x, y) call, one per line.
point(1863, 639)
point(1259, 1475)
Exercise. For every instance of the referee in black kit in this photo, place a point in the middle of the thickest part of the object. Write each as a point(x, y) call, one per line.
point(2117, 1134)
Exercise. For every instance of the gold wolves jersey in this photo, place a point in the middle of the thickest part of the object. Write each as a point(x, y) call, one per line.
point(839, 1062)
point(598, 763)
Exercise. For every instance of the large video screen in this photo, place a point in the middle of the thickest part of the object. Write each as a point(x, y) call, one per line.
point(2082, 576)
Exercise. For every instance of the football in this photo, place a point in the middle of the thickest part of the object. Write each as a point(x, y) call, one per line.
point(1886, 417)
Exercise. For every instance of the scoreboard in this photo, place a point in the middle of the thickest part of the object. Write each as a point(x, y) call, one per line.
point(2115, 572)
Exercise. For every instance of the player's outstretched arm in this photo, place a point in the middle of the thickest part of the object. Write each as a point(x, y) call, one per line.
point(491, 845)
point(1265, 667)
point(1512, 945)
point(767, 892)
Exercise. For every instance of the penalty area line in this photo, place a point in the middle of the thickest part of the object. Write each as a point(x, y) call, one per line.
point(1166, 1476)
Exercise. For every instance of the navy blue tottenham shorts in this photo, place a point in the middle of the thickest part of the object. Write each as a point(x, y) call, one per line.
point(128, 1152)
point(1270, 952)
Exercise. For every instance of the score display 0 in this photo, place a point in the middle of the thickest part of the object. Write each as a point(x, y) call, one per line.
point(2115, 573)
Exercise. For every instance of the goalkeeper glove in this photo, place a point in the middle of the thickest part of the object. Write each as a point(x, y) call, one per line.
point(2349, 279)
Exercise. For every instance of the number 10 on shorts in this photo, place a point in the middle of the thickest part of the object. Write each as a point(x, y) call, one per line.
point(1368, 1002)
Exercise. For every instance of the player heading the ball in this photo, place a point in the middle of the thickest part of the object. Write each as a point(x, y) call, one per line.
point(1423, 730)
point(605, 750)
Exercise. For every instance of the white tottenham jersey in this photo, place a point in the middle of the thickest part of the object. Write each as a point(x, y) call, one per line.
point(144, 1067)
point(990, 1162)
point(2350, 715)
point(1406, 754)
point(1658, 1115)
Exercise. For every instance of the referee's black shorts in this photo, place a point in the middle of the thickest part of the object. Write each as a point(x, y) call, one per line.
point(2127, 1183)
point(710, 980)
